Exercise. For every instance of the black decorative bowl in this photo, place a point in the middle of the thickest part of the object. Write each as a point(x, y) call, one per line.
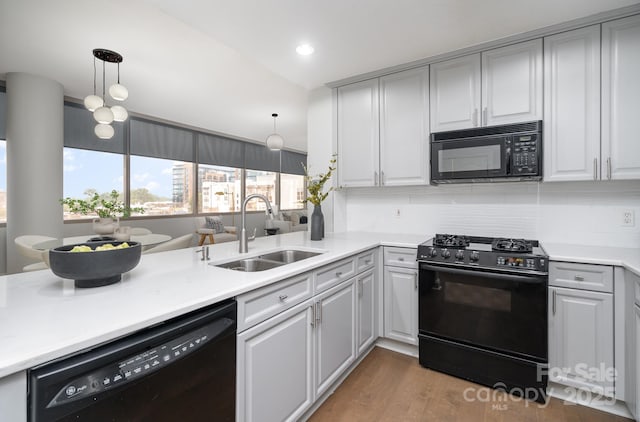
point(96, 268)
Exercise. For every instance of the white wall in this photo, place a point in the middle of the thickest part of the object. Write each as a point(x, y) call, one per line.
point(579, 213)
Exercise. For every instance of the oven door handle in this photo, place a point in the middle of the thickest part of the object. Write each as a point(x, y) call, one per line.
point(531, 279)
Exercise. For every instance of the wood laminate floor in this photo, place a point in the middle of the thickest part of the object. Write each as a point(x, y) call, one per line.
point(389, 386)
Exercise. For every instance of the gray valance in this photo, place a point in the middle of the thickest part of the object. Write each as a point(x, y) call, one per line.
point(220, 151)
point(79, 131)
point(3, 114)
point(157, 140)
point(292, 162)
point(259, 157)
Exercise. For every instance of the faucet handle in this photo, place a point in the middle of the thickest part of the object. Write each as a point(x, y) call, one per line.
point(253, 236)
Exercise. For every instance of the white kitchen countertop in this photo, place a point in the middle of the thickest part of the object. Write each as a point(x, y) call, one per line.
point(43, 317)
point(628, 258)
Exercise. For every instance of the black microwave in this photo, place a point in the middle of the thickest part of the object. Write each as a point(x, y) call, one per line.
point(489, 154)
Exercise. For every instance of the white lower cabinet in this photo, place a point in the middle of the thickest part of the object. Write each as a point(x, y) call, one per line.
point(335, 334)
point(275, 367)
point(365, 287)
point(401, 304)
point(581, 339)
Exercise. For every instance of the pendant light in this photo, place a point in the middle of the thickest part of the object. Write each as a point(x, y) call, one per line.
point(102, 113)
point(274, 141)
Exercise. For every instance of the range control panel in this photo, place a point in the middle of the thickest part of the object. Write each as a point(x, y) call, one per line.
point(485, 259)
point(119, 373)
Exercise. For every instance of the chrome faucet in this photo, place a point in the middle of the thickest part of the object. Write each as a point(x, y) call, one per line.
point(244, 240)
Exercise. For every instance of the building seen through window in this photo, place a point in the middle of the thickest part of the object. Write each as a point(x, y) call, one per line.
point(220, 189)
point(262, 182)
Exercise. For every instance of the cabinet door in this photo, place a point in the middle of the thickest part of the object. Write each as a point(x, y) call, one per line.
point(572, 105)
point(454, 90)
point(581, 339)
point(358, 134)
point(512, 84)
point(404, 128)
point(335, 334)
point(621, 98)
point(275, 367)
point(401, 304)
point(365, 285)
point(636, 405)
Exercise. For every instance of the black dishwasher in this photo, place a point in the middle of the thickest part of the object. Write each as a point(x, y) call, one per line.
point(182, 369)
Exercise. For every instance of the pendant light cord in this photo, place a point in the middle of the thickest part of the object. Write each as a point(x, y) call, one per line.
point(103, 83)
point(94, 75)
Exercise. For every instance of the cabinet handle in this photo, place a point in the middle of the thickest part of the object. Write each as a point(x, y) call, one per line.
point(319, 313)
point(609, 168)
point(595, 169)
point(338, 273)
point(367, 262)
point(382, 178)
point(313, 315)
point(415, 282)
point(554, 302)
point(360, 288)
point(475, 117)
point(282, 297)
point(578, 278)
point(484, 116)
point(400, 258)
point(375, 178)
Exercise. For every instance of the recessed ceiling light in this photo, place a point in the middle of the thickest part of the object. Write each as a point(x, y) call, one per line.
point(304, 49)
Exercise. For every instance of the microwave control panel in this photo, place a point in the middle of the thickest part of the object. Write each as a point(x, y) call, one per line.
point(525, 155)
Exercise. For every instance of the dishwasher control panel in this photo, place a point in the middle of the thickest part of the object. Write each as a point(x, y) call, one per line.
point(119, 373)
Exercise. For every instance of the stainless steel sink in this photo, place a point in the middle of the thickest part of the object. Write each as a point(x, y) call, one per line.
point(268, 261)
point(250, 265)
point(288, 256)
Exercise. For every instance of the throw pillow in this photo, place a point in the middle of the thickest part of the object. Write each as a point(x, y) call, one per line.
point(215, 223)
point(303, 219)
point(295, 218)
point(286, 216)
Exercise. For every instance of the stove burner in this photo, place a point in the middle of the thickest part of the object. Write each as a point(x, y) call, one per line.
point(512, 245)
point(451, 240)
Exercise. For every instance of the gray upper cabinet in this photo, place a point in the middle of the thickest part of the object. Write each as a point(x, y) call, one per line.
point(404, 128)
point(621, 98)
point(572, 105)
point(512, 84)
point(455, 93)
point(358, 134)
point(383, 130)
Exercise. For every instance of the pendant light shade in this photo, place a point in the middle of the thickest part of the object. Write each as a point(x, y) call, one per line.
point(274, 142)
point(103, 131)
point(92, 102)
point(119, 113)
point(103, 115)
point(118, 92)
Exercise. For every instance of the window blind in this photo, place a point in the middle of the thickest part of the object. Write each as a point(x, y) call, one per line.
point(292, 162)
point(259, 157)
point(220, 151)
point(79, 131)
point(157, 140)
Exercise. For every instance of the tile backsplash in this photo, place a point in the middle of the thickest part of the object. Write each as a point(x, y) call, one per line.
point(569, 212)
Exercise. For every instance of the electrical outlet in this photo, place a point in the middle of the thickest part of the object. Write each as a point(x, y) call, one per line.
point(397, 213)
point(628, 218)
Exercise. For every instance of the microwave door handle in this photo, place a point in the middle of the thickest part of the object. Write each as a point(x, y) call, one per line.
point(508, 165)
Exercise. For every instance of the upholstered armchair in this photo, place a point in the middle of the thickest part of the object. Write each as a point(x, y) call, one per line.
point(215, 234)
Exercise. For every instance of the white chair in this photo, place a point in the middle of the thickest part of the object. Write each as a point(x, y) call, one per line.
point(177, 243)
point(203, 231)
point(139, 231)
point(25, 247)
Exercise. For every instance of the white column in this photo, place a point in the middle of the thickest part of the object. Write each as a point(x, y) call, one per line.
point(35, 133)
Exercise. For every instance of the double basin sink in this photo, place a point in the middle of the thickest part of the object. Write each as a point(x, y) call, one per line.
point(268, 261)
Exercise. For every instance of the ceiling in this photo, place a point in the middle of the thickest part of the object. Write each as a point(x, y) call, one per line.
point(227, 65)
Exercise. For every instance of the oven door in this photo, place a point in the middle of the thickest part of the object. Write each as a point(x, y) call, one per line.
point(472, 158)
point(503, 312)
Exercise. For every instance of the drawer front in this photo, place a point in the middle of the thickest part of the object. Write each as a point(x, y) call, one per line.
point(366, 260)
point(597, 278)
point(334, 274)
point(261, 304)
point(400, 257)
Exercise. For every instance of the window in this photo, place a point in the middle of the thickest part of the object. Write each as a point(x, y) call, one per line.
point(87, 172)
point(292, 191)
point(219, 189)
point(262, 182)
point(3, 181)
point(161, 187)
